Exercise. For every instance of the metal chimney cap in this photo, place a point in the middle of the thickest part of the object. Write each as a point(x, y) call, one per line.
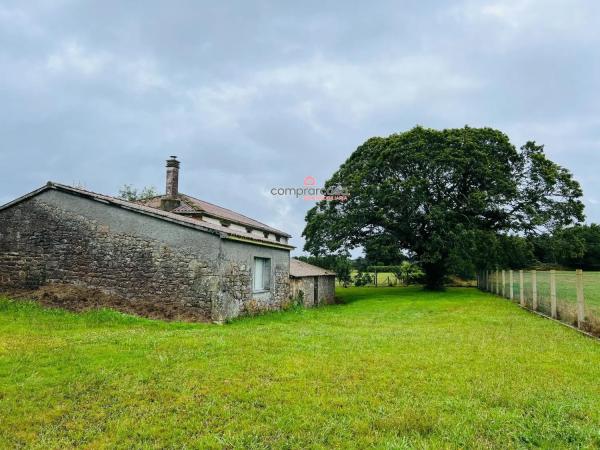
point(172, 162)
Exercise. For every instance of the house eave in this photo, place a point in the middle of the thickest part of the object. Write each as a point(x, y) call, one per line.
point(261, 243)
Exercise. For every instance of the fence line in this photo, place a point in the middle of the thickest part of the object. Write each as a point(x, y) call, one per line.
point(553, 312)
point(580, 299)
point(558, 295)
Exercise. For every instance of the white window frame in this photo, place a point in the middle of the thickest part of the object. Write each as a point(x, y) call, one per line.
point(261, 274)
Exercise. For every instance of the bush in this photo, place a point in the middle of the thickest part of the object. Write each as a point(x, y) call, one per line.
point(408, 273)
point(362, 279)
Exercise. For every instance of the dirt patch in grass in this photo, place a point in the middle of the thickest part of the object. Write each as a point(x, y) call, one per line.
point(77, 298)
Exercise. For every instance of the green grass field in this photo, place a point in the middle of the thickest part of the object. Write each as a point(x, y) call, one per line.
point(389, 368)
point(386, 279)
point(383, 278)
point(565, 288)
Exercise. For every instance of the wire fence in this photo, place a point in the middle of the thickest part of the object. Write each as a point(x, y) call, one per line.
point(573, 297)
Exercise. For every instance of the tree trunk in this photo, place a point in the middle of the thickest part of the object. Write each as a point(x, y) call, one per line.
point(435, 273)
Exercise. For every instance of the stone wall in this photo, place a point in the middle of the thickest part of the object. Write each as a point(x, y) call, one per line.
point(237, 296)
point(58, 237)
point(326, 290)
point(303, 287)
point(42, 242)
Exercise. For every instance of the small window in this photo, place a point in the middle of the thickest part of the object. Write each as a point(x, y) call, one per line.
point(262, 274)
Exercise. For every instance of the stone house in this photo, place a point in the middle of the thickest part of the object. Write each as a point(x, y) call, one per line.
point(210, 258)
point(316, 286)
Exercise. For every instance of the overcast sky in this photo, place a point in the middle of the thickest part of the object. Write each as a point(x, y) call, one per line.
point(254, 95)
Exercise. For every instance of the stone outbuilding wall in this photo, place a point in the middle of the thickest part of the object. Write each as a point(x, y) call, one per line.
point(237, 260)
point(58, 236)
point(306, 286)
point(316, 286)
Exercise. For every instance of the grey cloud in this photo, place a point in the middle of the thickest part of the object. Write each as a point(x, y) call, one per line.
point(253, 95)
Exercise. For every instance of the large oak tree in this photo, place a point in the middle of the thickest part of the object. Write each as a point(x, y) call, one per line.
point(435, 191)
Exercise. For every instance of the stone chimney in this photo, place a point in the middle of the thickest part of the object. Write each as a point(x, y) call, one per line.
point(171, 200)
point(172, 177)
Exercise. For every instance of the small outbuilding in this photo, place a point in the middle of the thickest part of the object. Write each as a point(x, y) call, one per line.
point(315, 285)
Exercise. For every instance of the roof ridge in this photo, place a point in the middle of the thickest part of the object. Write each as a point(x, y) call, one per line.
point(87, 191)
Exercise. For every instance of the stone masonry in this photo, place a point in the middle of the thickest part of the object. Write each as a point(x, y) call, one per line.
point(40, 244)
point(55, 237)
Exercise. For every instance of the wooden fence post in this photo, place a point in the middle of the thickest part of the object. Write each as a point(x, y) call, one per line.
point(521, 289)
point(488, 280)
point(511, 292)
point(503, 283)
point(534, 303)
point(497, 282)
point(553, 312)
point(580, 300)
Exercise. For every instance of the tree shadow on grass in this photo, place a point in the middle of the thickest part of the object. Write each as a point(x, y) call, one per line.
point(346, 296)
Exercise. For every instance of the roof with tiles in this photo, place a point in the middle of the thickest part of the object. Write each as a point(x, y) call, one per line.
point(191, 205)
point(300, 269)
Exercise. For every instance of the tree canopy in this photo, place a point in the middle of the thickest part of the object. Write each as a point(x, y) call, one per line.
point(382, 250)
point(576, 247)
point(438, 193)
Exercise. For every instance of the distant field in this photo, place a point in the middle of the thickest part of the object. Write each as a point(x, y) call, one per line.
point(388, 368)
point(389, 279)
point(565, 287)
point(383, 278)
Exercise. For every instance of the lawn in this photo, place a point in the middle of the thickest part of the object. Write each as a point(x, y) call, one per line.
point(566, 292)
point(383, 278)
point(386, 279)
point(389, 368)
